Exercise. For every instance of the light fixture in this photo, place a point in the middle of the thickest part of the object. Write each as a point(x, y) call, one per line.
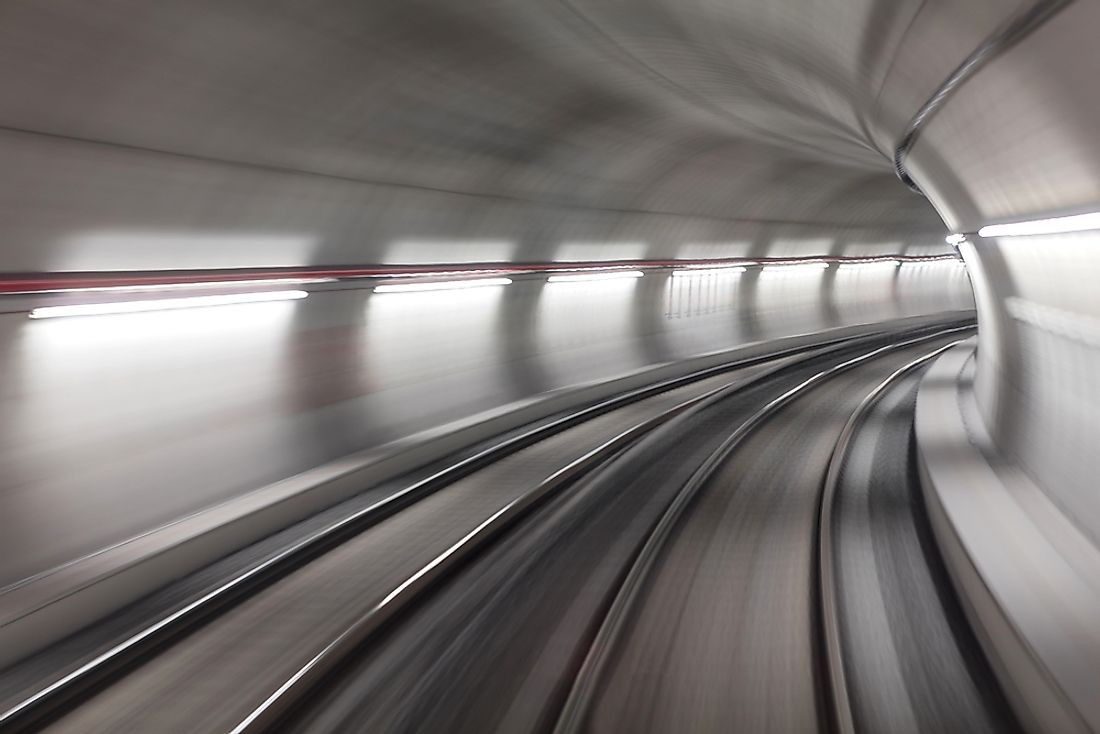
point(955, 239)
point(707, 270)
point(202, 285)
point(600, 275)
point(798, 266)
point(163, 304)
point(440, 285)
point(1056, 225)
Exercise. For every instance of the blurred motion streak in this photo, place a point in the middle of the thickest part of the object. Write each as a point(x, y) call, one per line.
point(284, 230)
point(163, 304)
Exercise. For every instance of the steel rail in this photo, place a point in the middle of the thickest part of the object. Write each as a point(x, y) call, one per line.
point(838, 696)
point(268, 714)
point(574, 712)
point(47, 702)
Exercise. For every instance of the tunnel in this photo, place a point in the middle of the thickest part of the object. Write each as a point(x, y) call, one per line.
point(580, 365)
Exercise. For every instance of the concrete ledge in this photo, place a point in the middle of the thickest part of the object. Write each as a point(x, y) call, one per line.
point(1029, 579)
point(49, 606)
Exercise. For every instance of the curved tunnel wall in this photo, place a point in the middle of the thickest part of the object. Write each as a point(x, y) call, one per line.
point(1018, 143)
point(1017, 508)
point(242, 135)
point(165, 414)
point(197, 135)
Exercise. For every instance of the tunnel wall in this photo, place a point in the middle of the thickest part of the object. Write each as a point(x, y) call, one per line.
point(219, 134)
point(1009, 438)
point(238, 135)
point(140, 447)
point(117, 424)
point(1017, 143)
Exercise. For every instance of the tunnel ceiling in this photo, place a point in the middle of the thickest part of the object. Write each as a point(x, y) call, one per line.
point(751, 110)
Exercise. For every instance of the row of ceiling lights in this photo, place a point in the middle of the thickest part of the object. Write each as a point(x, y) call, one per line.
point(274, 289)
point(1052, 225)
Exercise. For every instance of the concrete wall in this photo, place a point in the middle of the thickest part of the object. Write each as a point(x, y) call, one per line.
point(117, 424)
point(1009, 439)
point(214, 134)
point(1016, 143)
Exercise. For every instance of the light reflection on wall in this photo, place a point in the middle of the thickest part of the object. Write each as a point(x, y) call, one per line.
point(699, 308)
point(791, 247)
point(127, 421)
point(128, 363)
point(789, 300)
point(864, 291)
point(166, 250)
point(873, 248)
point(586, 329)
point(432, 251)
point(1037, 262)
point(435, 349)
point(174, 405)
point(1037, 365)
point(701, 292)
point(590, 251)
point(938, 284)
point(713, 250)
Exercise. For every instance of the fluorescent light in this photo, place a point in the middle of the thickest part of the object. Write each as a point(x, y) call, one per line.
point(203, 285)
point(1057, 225)
point(795, 267)
point(955, 239)
point(708, 271)
point(440, 285)
point(591, 269)
point(601, 275)
point(163, 304)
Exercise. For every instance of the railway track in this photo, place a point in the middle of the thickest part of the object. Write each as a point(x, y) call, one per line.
point(290, 634)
